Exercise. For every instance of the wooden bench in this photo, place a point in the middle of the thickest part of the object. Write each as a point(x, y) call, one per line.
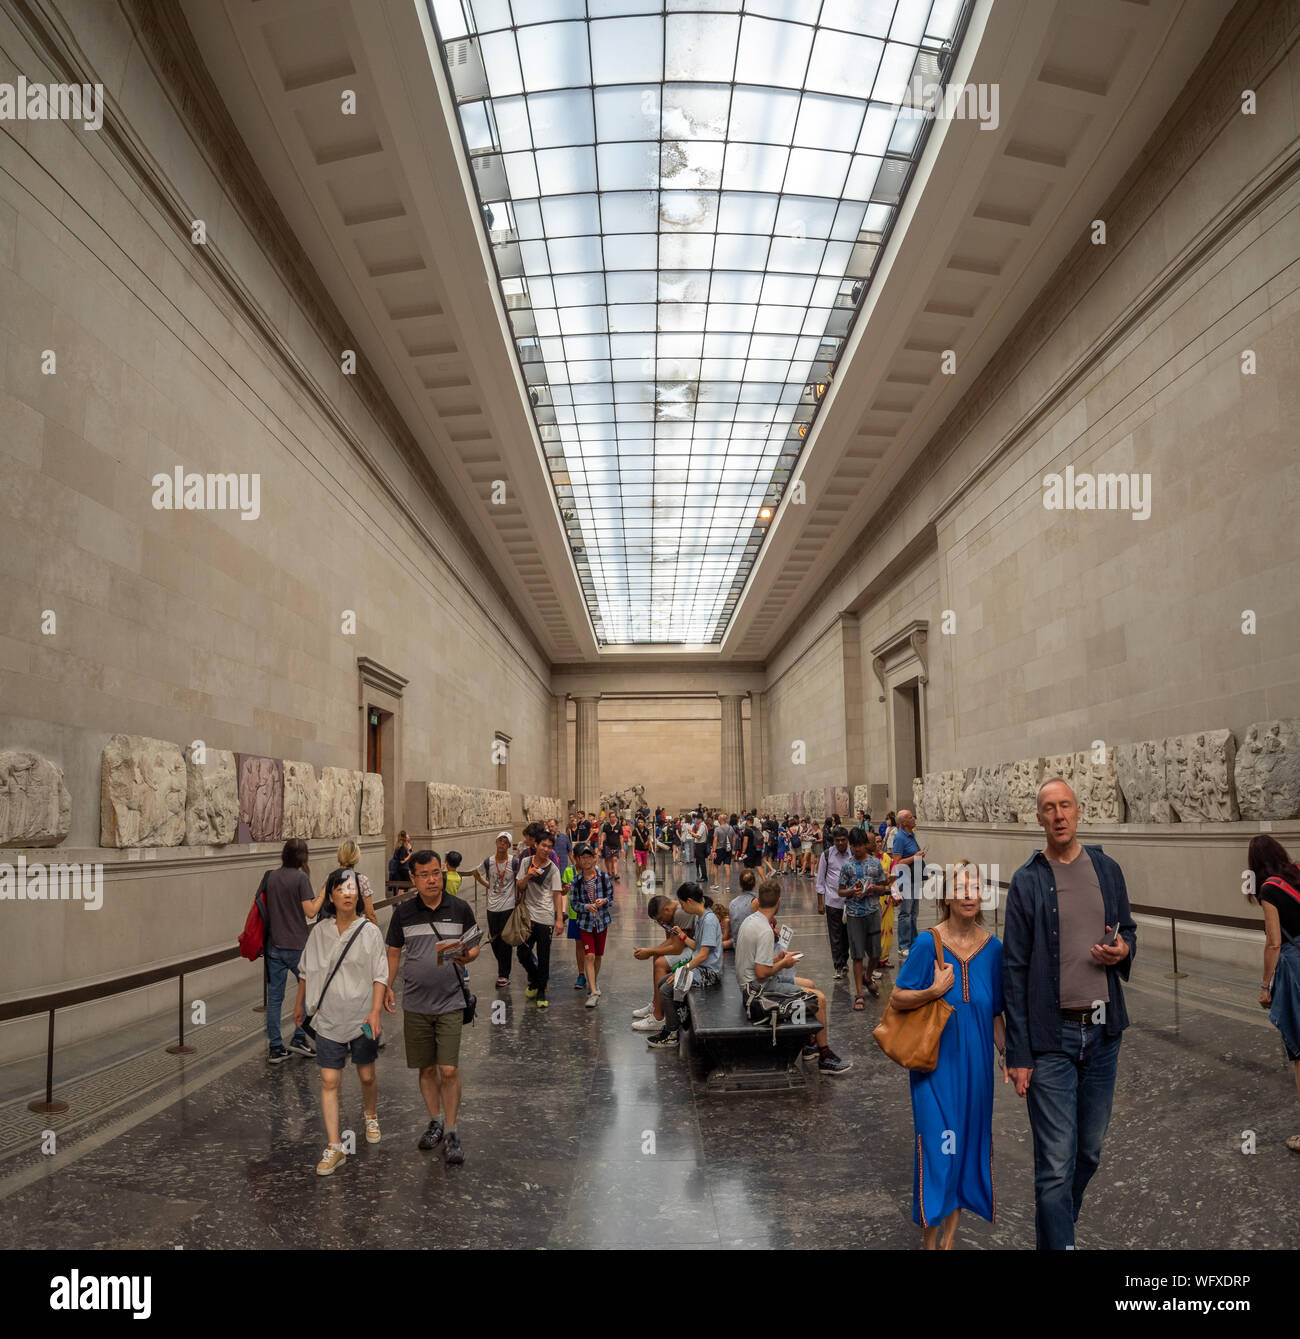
point(737, 1055)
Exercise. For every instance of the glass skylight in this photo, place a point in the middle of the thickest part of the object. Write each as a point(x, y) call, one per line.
point(685, 204)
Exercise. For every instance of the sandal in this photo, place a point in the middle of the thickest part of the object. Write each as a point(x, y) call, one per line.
point(859, 1004)
point(873, 991)
point(1294, 1143)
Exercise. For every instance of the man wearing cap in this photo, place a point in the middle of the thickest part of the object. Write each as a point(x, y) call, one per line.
point(497, 875)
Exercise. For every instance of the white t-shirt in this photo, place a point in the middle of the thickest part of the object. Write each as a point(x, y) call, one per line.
point(501, 883)
point(338, 1016)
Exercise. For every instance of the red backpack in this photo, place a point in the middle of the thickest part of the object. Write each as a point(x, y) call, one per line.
point(252, 943)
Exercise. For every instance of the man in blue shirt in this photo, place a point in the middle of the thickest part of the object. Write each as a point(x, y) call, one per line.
point(909, 870)
point(704, 965)
point(1069, 940)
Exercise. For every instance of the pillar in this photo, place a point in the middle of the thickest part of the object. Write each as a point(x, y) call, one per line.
point(586, 747)
point(757, 748)
point(733, 753)
point(561, 772)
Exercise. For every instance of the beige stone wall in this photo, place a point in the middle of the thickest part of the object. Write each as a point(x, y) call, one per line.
point(191, 625)
point(1075, 626)
point(672, 746)
point(802, 707)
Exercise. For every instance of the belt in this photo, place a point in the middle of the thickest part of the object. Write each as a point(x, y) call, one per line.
point(1077, 1015)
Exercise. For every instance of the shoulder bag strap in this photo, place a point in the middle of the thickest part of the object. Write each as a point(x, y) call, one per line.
point(460, 980)
point(1278, 882)
point(339, 962)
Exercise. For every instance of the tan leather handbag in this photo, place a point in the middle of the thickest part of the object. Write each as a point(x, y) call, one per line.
point(910, 1037)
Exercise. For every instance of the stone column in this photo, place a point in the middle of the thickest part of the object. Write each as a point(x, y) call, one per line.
point(587, 749)
point(561, 772)
point(757, 747)
point(733, 753)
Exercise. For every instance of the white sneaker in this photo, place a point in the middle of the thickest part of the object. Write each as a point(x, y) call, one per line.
point(592, 998)
point(649, 1024)
point(644, 1011)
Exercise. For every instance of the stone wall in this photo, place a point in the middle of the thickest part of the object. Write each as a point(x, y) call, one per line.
point(671, 746)
point(1070, 627)
point(199, 626)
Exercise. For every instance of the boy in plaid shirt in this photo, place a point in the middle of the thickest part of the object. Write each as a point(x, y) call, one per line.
point(863, 883)
point(592, 896)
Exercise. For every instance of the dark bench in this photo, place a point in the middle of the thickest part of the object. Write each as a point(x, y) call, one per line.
point(739, 1056)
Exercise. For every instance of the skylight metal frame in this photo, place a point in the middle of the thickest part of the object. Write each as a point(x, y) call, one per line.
point(594, 445)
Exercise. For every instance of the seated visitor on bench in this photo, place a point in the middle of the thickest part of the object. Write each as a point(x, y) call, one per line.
point(664, 958)
point(704, 965)
point(758, 961)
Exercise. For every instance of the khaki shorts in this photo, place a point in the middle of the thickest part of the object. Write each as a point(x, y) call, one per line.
point(432, 1039)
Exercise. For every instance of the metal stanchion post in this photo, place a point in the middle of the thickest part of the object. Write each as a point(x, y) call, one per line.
point(266, 970)
point(49, 1107)
point(1173, 939)
point(180, 1048)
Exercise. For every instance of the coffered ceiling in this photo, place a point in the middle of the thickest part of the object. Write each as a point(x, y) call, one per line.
point(383, 205)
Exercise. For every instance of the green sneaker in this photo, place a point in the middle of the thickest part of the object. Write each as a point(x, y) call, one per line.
point(530, 993)
point(543, 1003)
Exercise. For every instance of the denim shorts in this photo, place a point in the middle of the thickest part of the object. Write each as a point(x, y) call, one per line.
point(334, 1054)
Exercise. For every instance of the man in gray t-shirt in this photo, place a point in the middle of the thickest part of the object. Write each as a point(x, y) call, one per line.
point(428, 929)
point(289, 901)
point(1084, 983)
point(757, 962)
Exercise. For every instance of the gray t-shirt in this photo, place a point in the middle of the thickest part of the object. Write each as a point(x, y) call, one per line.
point(540, 893)
point(286, 891)
point(724, 837)
point(1083, 924)
point(429, 986)
point(753, 944)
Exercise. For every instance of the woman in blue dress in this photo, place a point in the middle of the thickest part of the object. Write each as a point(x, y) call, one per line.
point(952, 1107)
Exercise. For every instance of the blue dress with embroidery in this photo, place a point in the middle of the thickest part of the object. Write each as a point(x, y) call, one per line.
point(952, 1108)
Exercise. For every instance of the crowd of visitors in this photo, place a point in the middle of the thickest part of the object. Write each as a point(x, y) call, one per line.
point(1047, 997)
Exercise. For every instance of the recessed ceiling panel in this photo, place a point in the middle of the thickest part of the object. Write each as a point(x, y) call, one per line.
point(685, 205)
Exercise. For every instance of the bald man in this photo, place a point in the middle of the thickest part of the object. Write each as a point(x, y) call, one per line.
point(1068, 942)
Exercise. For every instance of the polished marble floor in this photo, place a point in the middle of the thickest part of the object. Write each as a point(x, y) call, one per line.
point(558, 1111)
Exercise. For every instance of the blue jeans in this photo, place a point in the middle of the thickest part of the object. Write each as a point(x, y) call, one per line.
point(908, 910)
point(1070, 1094)
point(279, 962)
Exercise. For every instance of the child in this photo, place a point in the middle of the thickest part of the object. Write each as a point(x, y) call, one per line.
point(572, 929)
point(451, 879)
point(591, 896)
point(862, 881)
point(347, 995)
